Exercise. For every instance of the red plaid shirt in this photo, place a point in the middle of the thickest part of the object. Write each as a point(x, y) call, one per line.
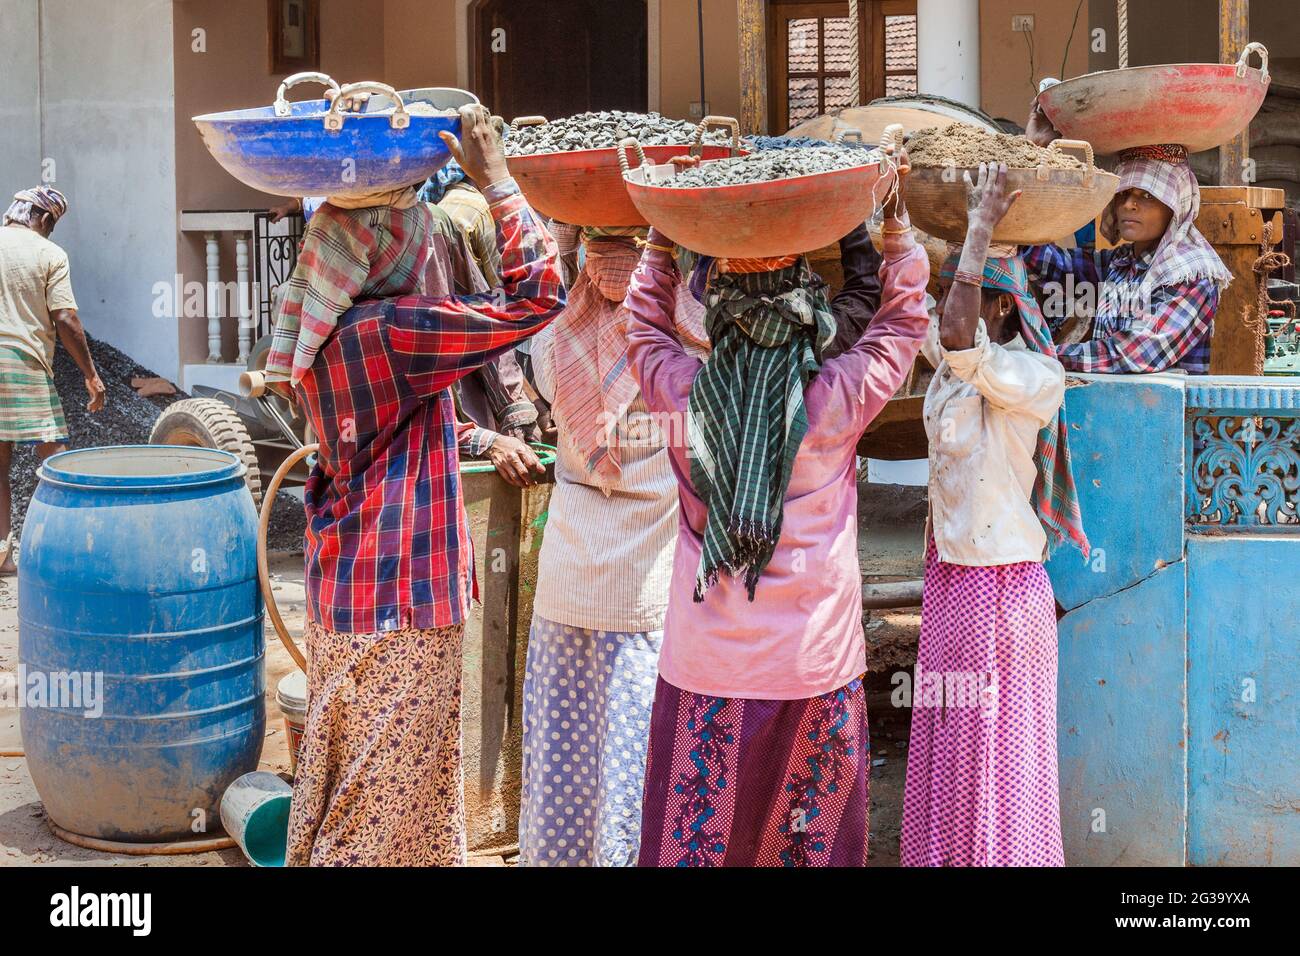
point(387, 541)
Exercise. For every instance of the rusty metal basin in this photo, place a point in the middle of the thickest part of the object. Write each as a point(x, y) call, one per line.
point(1200, 105)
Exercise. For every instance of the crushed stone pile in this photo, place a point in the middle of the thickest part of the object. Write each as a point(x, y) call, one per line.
point(603, 131)
point(126, 419)
point(764, 143)
point(965, 146)
point(771, 165)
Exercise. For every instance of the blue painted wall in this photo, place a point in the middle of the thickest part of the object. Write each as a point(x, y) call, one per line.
point(1162, 761)
point(1243, 699)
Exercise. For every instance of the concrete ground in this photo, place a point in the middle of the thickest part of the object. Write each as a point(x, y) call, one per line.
point(889, 550)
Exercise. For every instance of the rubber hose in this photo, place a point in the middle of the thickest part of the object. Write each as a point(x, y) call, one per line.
point(263, 570)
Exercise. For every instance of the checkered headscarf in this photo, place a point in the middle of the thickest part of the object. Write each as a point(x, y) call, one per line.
point(1183, 255)
point(27, 202)
point(1055, 497)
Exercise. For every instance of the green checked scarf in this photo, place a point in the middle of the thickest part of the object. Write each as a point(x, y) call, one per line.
point(746, 415)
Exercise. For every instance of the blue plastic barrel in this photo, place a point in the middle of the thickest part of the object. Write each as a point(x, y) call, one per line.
point(139, 578)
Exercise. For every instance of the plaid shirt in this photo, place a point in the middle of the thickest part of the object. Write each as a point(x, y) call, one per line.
point(347, 255)
point(387, 543)
point(1173, 332)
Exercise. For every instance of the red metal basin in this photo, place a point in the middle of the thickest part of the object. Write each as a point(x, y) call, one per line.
point(1201, 105)
point(777, 218)
point(585, 187)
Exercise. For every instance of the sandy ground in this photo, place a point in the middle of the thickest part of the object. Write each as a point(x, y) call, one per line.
point(888, 551)
point(24, 837)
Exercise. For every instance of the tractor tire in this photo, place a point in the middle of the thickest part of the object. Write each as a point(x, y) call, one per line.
point(209, 423)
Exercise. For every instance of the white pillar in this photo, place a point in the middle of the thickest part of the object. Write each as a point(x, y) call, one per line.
point(214, 296)
point(948, 49)
point(245, 296)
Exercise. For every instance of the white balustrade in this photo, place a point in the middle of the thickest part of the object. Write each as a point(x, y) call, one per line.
point(212, 224)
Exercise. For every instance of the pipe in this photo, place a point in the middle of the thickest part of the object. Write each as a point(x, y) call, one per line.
point(263, 568)
point(887, 595)
point(699, 13)
point(173, 848)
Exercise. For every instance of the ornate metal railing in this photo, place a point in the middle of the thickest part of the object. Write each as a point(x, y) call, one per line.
point(1243, 455)
point(275, 253)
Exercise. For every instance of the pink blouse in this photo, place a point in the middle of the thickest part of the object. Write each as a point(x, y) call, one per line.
point(801, 636)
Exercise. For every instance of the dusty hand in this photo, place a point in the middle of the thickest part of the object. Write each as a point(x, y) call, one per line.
point(896, 206)
point(351, 104)
point(1038, 128)
point(987, 199)
point(282, 211)
point(479, 150)
point(95, 389)
point(515, 461)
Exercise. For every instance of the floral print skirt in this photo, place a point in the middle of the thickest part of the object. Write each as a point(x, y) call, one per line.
point(379, 779)
point(739, 782)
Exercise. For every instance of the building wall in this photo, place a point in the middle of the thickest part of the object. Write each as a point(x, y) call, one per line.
point(679, 64)
point(1187, 31)
point(91, 91)
point(420, 47)
point(20, 112)
point(234, 72)
point(1007, 82)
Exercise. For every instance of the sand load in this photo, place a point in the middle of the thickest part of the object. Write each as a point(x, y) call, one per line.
point(1059, 191)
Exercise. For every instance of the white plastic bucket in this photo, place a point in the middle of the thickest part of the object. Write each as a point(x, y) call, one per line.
point(291, 695)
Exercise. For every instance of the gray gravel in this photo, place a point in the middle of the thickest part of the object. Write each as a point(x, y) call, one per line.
point(126, 419)
point(603, 131)
point(767, 166)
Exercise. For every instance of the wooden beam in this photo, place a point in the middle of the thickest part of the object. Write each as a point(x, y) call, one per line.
point(1234, 34)
point(752, 27)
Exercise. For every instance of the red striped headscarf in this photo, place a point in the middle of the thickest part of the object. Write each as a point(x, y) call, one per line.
point(594, 384)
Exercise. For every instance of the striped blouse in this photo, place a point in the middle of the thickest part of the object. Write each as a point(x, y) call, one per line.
point(606, 561)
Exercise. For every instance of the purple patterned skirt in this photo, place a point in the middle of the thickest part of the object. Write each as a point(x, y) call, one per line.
point(982, 785)
point(738, 782)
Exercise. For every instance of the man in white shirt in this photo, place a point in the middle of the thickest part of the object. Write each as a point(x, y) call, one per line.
point(36, 302)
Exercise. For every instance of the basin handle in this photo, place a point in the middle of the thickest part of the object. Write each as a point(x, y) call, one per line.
point(282, 107)
point(334, 118)
point(716, 122)
point(1263, 60)
point(623, 144)
point(529, 121)
point(1057, 145)
point(850, 133)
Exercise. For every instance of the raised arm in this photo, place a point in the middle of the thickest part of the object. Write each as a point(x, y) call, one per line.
point(859, 298)
point(855, 386)
point(1178, 319)
point(1015, 380)
point(659, 362)
point(440, 340)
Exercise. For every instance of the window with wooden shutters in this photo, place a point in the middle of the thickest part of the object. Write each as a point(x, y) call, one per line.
point(810, 53)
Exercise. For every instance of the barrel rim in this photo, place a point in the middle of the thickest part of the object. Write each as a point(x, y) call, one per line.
point(230, 469)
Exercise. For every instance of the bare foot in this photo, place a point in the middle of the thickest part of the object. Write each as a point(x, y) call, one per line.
point(8, 568)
